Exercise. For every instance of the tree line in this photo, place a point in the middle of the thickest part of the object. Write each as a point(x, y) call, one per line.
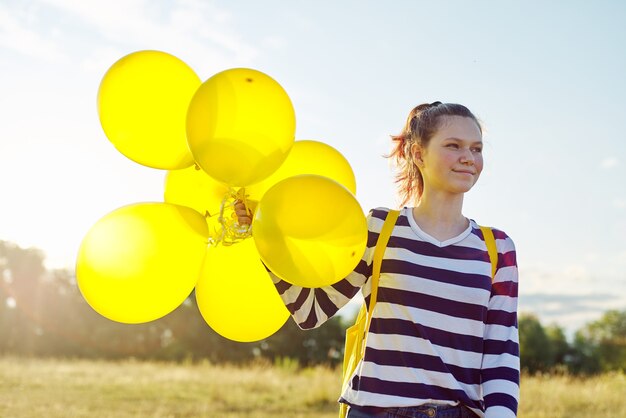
point(599, 346)
point(42, 313)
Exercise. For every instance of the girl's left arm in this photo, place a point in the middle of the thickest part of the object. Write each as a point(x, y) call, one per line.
point(500, 371)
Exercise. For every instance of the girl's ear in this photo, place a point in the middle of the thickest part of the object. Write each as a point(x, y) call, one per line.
point(416, 152)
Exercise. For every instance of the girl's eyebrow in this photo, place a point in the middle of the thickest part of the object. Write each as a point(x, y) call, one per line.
point(479, 141)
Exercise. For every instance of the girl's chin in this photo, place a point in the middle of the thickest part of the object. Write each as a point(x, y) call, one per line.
point(462, 188)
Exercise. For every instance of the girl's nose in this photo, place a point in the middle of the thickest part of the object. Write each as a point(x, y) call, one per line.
point(467, 157)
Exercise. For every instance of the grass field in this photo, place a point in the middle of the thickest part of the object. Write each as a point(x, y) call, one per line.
point(34, 388)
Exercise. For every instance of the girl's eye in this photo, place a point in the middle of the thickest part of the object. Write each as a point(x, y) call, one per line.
point(454, 146)
point(479, 150)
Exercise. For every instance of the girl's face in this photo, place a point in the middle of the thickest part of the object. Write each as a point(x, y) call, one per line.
point(452, 160)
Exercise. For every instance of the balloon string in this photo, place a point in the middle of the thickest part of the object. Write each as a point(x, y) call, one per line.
point(229, 231)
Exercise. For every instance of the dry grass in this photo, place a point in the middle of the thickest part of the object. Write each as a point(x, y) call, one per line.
point(33, 388)
point(566, 396)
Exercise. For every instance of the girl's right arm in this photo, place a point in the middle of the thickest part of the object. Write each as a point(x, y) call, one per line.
point(311, 307)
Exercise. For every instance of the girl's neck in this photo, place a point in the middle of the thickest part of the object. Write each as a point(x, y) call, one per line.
point(440, 216)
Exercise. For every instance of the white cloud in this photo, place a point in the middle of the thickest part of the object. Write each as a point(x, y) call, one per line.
point(20, 32)
point(575, 293)
point(591, 257)
point(577, 272)
point(619, 203)
point(190, 29)
point(275, 42)
point(609, 162)
point(101, 59)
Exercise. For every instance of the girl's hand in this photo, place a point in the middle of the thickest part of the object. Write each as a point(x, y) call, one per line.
point(244, 216)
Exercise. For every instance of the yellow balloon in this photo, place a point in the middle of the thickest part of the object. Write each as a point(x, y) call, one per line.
point(141, 261)
point(236, 296)
point(194, 188)
point(142, 103)
point(310, 230)
point(240, 126)
point(309, 157)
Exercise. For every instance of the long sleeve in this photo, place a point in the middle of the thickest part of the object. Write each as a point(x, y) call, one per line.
point(311, 307)
point(500, 370)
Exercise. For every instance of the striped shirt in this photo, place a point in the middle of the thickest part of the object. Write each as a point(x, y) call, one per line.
point(440, 332)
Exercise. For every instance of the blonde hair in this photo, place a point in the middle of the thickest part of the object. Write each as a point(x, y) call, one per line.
point(421, 125)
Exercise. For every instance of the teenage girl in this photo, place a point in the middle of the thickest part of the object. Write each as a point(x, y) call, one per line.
point(443, 341)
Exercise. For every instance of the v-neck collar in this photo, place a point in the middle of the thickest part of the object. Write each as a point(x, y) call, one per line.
point(408, 212)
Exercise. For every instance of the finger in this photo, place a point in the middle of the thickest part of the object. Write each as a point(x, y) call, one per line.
point(241, 212)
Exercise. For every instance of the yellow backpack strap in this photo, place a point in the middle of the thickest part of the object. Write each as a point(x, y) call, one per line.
point(379, 252)
point(491, 249)
point(355, 335)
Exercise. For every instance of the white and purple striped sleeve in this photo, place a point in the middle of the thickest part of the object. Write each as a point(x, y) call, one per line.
point(311, 307)
point(500, 370)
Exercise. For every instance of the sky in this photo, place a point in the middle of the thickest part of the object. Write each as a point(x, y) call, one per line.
point(545, 78)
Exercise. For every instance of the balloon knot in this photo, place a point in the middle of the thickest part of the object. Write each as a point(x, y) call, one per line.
point(229, 231)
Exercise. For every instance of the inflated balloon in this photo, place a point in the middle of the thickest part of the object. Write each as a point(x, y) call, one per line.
point(142, 103)
point(240, 126)
point(194, 188)
point(309, 157)
point(236, 296)
point(141, 261)
point(310, 230)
